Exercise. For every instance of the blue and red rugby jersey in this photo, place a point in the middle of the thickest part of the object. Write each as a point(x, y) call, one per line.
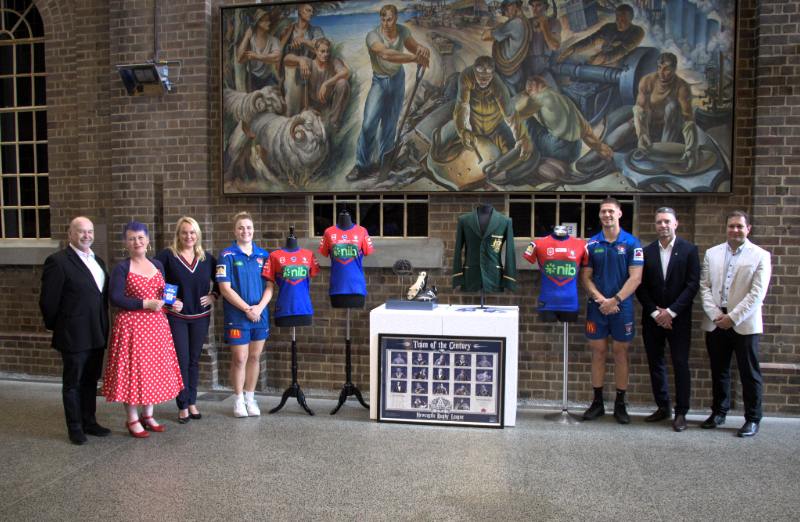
point(346, 249)
point(559, 260)
point(291, 271)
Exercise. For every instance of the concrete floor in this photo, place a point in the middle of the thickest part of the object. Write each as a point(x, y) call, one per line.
point(293, 467)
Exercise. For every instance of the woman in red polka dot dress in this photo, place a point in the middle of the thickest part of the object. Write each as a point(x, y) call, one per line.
point(142, 366)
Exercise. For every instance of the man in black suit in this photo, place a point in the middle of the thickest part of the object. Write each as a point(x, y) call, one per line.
point(670, 281)
point(74, 305)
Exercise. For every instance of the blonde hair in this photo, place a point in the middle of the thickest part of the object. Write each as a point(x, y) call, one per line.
point(198, 246)
point(240, 216)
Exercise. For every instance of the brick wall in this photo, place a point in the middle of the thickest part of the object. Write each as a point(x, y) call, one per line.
point(117, 158)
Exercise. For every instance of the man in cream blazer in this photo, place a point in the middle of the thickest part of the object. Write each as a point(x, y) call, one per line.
point(733, 284)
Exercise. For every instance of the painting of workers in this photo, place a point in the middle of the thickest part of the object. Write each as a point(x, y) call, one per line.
point(527, 96)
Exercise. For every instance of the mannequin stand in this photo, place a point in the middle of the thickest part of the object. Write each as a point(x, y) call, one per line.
point(293, 390)
point(564, 416)
point(349, 389)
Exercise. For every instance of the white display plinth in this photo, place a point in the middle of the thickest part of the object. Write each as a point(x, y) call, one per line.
point(446, 320)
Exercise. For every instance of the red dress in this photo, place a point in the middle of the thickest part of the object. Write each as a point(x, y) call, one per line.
point(142, 366)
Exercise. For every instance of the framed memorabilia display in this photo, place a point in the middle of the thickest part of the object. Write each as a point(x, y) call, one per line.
point(441, 380)
point(581, 97)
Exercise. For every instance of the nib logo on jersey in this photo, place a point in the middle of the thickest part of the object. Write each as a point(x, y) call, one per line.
point(294, 274)
point(344, 253)
point(560, 272)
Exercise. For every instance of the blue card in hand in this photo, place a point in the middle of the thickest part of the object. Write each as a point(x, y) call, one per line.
point(170, 291)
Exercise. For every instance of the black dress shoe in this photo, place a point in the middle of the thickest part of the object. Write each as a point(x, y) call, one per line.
point(713, 421)
point(77, 437)
point(597, 409)
point(184, 420)
point(660, 414)
point(96, 430)
point(748, 430)
point(679, 424)
point(621, 413)
point(195, 416)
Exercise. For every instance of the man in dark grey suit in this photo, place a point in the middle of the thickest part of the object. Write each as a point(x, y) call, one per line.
point(670, 281)
point(74, 305)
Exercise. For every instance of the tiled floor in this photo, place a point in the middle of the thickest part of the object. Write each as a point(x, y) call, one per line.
point(293, 467)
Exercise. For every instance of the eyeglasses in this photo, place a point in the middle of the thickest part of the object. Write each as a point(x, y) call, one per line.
point(481, 69)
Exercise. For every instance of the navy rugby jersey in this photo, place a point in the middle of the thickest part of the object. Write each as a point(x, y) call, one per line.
point(611, 261)
point(243, 272)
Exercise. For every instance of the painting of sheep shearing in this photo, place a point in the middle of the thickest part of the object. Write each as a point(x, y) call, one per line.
point(588, 96)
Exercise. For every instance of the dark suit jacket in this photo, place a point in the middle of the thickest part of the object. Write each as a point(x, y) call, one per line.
point(482, 266)
point(72, 306)
point(681, 285)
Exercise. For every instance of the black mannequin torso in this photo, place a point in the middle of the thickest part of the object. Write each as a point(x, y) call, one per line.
point(344, 222)
point(484, 216)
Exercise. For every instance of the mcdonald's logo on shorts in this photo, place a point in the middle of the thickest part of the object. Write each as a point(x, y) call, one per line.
point(590, 326)
point(235, 334)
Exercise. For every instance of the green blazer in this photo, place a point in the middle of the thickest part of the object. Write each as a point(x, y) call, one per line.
point(482, 266)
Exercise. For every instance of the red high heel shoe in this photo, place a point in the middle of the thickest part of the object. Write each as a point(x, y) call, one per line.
point(141, 434)
point(148, 426)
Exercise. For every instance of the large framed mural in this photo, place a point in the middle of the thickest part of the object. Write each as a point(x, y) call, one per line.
point(590, 96)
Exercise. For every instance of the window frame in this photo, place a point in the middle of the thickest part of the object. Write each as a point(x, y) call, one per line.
point(356, 200)
point(41, 212)
point(583, 199)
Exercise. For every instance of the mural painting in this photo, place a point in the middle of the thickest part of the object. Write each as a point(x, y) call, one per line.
point(469, 95)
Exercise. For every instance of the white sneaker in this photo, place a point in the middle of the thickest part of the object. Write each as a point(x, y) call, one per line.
point(239, 409)
point(252, 408)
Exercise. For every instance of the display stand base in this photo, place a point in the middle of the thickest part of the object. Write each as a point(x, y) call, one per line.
point(293, 390)
point(405, 304)
point(349, 389)
point(563, 417)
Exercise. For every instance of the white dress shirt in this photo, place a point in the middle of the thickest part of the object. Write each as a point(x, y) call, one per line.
point(666, 253)
point(730, 260)
point(90, 262)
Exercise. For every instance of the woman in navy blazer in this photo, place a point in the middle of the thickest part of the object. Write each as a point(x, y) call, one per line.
point(192, 270)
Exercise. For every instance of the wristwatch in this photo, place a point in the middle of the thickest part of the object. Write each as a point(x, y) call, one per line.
point(617, 298)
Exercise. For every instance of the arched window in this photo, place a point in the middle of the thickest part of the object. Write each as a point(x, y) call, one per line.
point(24, 191)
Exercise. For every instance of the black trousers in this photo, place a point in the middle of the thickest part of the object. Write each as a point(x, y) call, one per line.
point(188, 336)
point(82, 370)
point(655, 344)
point(721, 345)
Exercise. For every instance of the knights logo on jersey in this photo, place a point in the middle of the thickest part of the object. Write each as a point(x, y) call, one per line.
point(260, 261)
point(344, 236)
point(294, 258)
point(497, 245)
point(620, 249)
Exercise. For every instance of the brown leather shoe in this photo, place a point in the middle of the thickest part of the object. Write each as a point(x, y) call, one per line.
point(660, 414)
point(679, 424)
